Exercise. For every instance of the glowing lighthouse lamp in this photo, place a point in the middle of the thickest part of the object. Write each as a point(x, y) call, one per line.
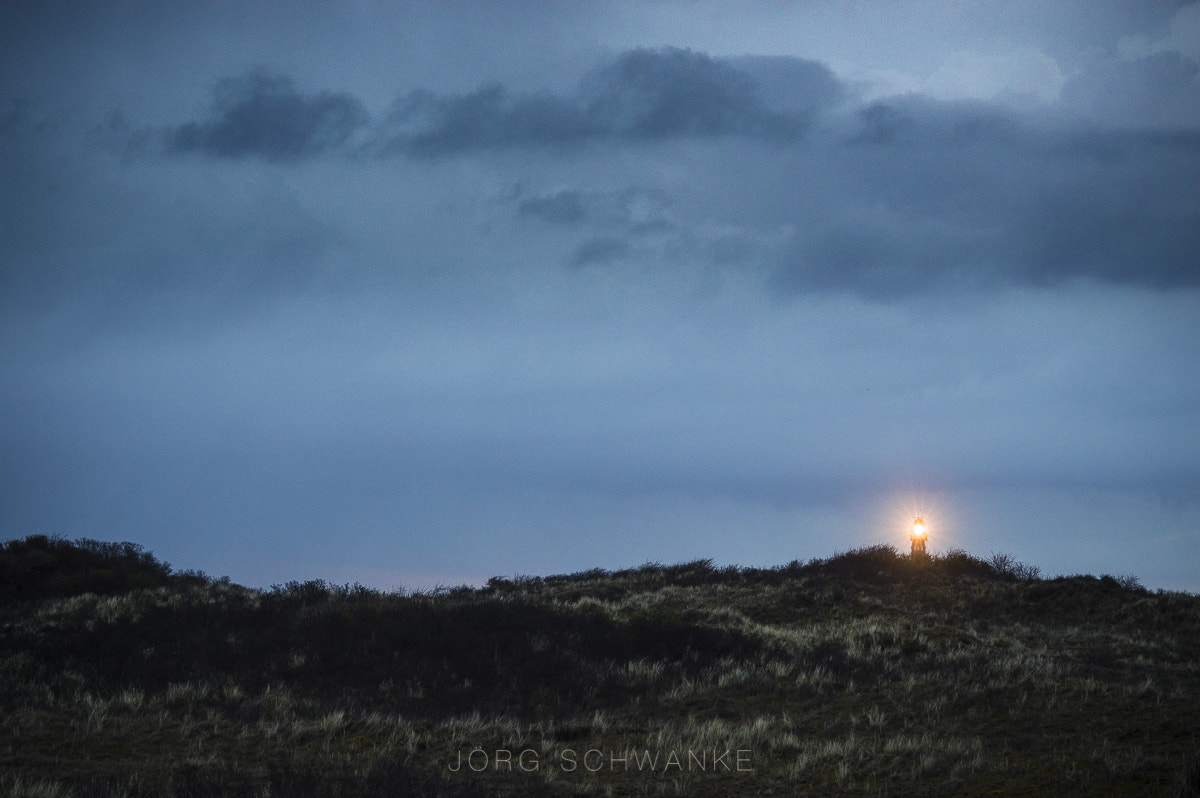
point(918, 537)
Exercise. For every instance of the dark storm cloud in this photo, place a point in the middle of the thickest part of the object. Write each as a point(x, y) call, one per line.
point(944, 194)
point(884, 200)
point(643, 95)
point(793, 85)
point(667, 93)
point(424, 123)
point(265, 116)
point(1129, 212)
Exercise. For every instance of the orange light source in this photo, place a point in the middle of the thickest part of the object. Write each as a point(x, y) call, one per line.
point(918, 537)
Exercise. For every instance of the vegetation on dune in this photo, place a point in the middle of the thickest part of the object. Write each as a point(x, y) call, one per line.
point(43, 567)
point(865, 673)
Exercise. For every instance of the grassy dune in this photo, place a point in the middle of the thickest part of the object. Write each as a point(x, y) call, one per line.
point(863, 674)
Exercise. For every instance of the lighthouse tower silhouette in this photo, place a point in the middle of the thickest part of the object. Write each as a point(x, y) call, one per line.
point(918, 536)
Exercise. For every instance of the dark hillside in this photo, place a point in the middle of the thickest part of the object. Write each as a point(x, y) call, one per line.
point(42, 567)
point(865, 673)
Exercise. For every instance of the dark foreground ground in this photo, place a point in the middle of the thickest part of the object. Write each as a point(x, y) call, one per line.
point(866, 673)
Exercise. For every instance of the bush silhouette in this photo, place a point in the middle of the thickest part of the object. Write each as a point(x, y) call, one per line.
point(41, 566)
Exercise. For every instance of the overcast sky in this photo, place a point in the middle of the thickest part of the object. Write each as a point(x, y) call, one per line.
point(417, 294)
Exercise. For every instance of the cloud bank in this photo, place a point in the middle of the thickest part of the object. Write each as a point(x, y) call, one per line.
point(973, 193)
point(265, 116)
point(642, 96)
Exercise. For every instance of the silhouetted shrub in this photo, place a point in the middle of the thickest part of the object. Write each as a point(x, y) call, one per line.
point(1130, 582)
point(40, 566)
point(869, 563)
point(1007, 566)
point(957, 562)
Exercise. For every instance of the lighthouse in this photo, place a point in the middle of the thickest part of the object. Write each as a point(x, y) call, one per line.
point(918, 536)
